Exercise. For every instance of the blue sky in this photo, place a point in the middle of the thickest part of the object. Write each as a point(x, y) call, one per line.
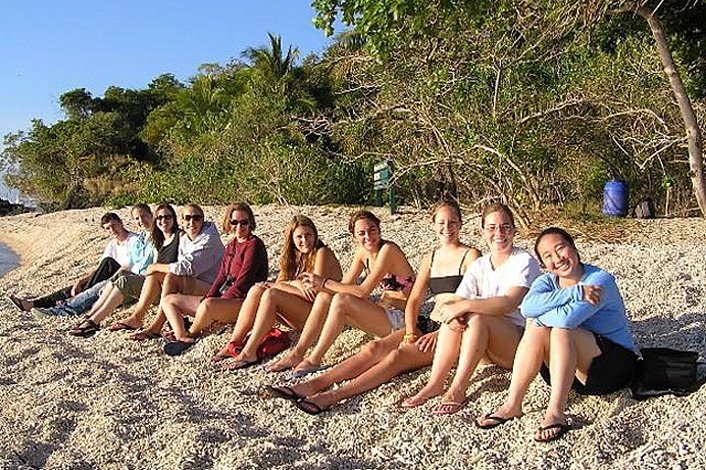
point(53, 46)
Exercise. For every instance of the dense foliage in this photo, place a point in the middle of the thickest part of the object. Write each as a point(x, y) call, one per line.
point(535, 103)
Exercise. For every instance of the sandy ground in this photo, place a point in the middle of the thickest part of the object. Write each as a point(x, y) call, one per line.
point(107, 402)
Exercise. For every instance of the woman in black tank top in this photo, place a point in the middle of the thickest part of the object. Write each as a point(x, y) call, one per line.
point(406, 349)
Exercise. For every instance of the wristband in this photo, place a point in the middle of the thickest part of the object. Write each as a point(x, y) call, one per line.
point(323, 283)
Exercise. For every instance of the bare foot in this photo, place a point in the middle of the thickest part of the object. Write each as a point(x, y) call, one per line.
point(421, 397)
point(501, 416)
point(288, 361)
point(553, 427)
point(129, 322)
point(307, 365)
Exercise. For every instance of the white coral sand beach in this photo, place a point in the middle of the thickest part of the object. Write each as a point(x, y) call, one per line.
point(106, 402)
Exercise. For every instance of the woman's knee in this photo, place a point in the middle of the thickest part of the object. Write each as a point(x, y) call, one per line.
point(373, 348)
point(341, 302)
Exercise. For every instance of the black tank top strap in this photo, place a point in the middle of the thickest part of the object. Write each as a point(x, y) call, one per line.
point(431, 261)
point(460, 266)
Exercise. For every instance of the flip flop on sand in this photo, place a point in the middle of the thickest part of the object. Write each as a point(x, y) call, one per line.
point(241, 364)
point(495, 421)
point(85, 329)
point(121, 326)
point(448, 407)
point(309, 407)
point(562, 428)
point(285, 392)
point(144, 335)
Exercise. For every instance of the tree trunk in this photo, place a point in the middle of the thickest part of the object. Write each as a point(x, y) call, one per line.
point(693, 133)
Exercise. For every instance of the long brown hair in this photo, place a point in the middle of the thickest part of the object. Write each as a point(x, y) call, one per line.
point(155, 232)
point(293, 262)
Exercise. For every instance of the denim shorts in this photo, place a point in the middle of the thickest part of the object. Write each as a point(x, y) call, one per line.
point(395, 317)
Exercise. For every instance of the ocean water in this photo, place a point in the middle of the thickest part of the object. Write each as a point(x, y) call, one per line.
point(8, 260)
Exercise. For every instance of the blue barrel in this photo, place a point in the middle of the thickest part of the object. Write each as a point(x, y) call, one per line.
point(615, 198)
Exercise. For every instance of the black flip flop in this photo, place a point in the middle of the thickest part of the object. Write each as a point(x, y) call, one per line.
point(309, 407)
point(497, 421)
point(284, 392)
point(85, 329)
point(562, 427)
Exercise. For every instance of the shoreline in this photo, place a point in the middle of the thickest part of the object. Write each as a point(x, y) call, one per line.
point(67, 402)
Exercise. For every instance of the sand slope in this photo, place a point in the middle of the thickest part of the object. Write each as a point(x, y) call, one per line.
point(107, 402)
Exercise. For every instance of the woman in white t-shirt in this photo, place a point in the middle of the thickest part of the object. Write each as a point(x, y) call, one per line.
point(483, 322)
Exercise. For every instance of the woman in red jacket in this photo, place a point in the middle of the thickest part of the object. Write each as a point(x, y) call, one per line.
point(243, 264)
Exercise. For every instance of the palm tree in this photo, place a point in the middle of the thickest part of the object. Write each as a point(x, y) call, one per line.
point(270, 60)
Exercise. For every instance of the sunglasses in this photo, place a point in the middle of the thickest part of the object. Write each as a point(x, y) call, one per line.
point(194, 217)
point(236, 222)
point(164, 217)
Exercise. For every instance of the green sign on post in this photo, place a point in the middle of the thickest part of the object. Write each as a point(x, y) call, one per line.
point(381, 181)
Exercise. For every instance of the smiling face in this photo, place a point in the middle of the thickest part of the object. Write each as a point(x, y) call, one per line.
point(165, 221)
point(559, 256)
point(142, 218)
point(367, 234)
point(240, 224)
point(498, 232)
point(447, 225)
point(304, 239)
point(192, 221)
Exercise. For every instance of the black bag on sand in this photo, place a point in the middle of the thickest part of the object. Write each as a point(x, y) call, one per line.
point(664, 371)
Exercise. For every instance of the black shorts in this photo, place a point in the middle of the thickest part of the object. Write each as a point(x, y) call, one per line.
point(609, 372)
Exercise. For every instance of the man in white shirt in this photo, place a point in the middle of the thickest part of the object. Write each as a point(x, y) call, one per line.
point(115, 256)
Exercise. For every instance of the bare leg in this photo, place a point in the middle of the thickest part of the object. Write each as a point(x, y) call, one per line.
point(532, 350)
point(110, 303)
point(448, 346)
point(345, 310)
point(485, 335)
point(570, 355)
point(310, 333)
point(174, 307)
point(214, 310)
point(247, 314)
point(104, 295)
point(368, 356)
point(397, 361)
point(291, 307)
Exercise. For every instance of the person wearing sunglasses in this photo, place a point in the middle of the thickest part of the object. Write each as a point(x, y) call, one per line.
point(199, 252)
point(144, 282)
point(243, 264)
point(286, 299)
point(482, 322)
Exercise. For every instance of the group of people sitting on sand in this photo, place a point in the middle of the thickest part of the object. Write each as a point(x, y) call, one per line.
point(569, 324)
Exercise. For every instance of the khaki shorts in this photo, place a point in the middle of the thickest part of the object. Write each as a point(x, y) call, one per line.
point(192, 286)
point(129, 284)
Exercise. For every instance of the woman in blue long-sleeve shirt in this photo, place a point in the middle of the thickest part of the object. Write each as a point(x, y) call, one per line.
point(576, 324)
